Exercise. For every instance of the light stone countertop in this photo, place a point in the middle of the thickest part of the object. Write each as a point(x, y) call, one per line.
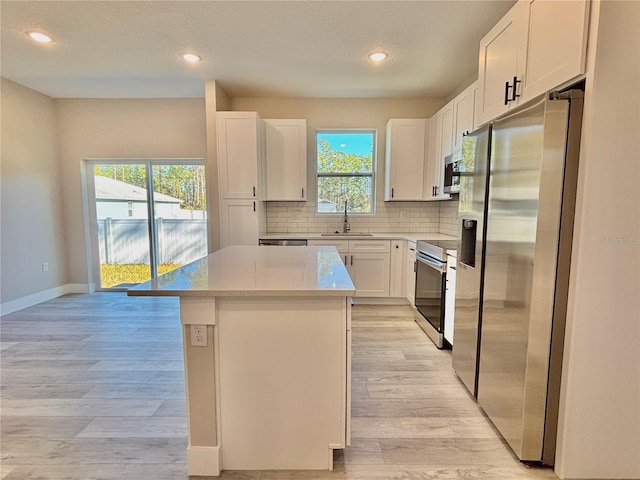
point(256, 271)
point(412, 236)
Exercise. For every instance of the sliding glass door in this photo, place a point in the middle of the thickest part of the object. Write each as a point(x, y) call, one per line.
point(150, 218)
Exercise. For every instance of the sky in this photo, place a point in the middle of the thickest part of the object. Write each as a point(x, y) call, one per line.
point(359, 143)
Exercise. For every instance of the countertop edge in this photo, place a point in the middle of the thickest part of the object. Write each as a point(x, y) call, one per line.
point(410, 236)
point(241, 293)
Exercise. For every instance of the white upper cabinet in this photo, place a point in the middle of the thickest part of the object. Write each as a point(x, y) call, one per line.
point(537, 46)
point(440, 145)
point(463, 109)
point(498, 67)
point(405, 159)
point(476, 104)
point(286, 159)
point(446, 132)
point(240, 151)
point(432, 170)
point(556, 44)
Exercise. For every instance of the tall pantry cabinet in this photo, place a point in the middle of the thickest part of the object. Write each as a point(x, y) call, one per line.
point(241, 155)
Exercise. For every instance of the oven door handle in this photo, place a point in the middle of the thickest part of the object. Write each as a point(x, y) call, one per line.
point(435, 264)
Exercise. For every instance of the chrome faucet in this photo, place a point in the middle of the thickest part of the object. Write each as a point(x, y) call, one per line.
point(346, 228)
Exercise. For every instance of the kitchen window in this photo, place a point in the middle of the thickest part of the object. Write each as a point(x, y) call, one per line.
point(345, 163)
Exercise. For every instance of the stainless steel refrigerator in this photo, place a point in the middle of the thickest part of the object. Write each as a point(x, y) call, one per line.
point(518, 179)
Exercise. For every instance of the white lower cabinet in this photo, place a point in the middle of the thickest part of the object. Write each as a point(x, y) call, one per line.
point(410, 270)
point(240, 223)
point(368, 263)
point(450, 299)
point(370, 274)
point(397, 285)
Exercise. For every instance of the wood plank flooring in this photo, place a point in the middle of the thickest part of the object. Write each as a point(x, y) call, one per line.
point(92, 388)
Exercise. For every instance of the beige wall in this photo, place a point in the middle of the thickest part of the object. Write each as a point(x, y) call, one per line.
point(107, 128)
point(599, 431)
point(32, 213)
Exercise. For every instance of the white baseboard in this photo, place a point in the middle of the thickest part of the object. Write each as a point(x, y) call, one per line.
point(43, 296)
point(204, 461)
point(380, 301)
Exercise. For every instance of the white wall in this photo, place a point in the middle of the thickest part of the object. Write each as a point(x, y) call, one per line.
point(346, 113)
point(32, 217)
point(599, 430)
point(108, 128)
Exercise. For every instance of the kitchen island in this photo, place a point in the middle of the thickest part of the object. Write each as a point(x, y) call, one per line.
point(267, 356)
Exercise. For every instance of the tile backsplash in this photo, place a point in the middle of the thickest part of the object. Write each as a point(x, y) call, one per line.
point(449, 218)
point(409, 217)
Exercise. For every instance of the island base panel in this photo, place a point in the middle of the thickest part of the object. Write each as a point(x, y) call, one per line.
point(283, 374)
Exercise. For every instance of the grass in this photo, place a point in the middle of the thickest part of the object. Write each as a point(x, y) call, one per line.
point(113, 274)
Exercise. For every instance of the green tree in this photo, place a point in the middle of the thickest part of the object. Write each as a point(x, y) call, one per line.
point(186, 182)
point(351, 178)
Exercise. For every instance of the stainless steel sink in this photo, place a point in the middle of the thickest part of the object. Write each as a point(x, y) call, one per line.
point(350, 234)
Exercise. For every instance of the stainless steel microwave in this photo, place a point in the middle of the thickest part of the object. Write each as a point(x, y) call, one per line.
point(452, 164)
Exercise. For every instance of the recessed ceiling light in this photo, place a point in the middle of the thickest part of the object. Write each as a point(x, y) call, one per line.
point(191, 57)
point(40, 37)
point(377, 56)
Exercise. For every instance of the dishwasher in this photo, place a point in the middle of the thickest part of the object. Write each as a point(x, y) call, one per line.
point(289, 242)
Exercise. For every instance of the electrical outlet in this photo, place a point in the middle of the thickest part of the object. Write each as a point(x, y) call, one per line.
point(198, 335)
point(45, 266)
point(403, 214)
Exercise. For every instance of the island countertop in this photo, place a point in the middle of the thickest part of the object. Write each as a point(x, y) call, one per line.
point(256, 271)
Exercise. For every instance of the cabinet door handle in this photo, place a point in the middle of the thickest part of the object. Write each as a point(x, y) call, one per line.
point(507, 86)
point(254, 191)
point(351, 259)
point(254, 206)
point(392, 192)
point(515, 89)
point(303, 193)
point(436, 189)
point(345, 259)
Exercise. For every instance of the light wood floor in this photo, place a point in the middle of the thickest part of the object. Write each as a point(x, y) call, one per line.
point(92, 388)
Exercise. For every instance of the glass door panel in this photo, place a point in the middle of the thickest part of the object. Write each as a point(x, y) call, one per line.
point(122, 212)
point(180, 215)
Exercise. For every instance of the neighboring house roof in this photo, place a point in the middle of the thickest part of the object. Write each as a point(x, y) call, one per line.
point(108, 189)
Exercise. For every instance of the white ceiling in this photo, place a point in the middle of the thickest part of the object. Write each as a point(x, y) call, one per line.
point(130, 49)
